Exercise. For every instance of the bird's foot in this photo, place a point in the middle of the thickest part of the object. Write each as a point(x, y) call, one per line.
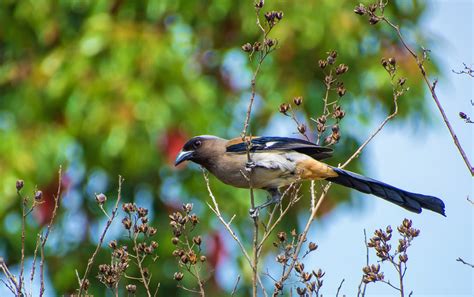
point(250, 165)
point(254, 212)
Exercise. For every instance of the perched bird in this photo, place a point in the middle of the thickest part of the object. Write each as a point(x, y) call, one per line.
point(279, 161)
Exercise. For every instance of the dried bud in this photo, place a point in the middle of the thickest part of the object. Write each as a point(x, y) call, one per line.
point(338, 113)
point(332, 55)
point(197, 240)
point(269, 16)
point(113, 244)
point(203, 259)
point(306, 276)
point(184, 259)
point(281, 236)
point(342, 68)
point(299, 267)
point(128, 207)
point(392, 61)
point(462, 115)
point(247, 47)
point(127, 223)
point(373, 7)
point(142, 212)
point(294, 233)
point(194, 219)
point(259, 4)
point(301, 291)
point(322, 64)
point(175, 240)
point(281, 258)
point(178, 276)
point(284, 107)
point(131, 288)
point(298, 100)
point(401, 81)
point(360, 9)
point(38, 195)
point(319, 273)
point(403, 258)
point(151, 231)
point(279, 15)
point(257, 46)
point(188, 207)
point(269, 42)
point(328, 79)
point(373, 20)
point(341, 90)
point(384, 62)
point(100, 198)
point(279, 286)
point(19, 184)
point(302, 128)
point(312, 246)
point(407, 223)
point(85, 284)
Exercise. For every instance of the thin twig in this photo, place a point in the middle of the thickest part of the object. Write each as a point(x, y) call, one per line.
point(44, 238)
point(464, 262)
point(235, 286)
point(23, 227)
point(227, 226)
point(33, 268)
point(339, 288)
point(431, 87)
point(139, 264)
point(362, 284)
point(101, 239)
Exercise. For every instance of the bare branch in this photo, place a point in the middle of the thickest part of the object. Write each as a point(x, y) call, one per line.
point(101, 239)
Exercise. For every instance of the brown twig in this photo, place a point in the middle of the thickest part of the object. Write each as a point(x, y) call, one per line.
point(33, 268)
point(101, 239)
point(339, 288)
point(464, 262)
point(467, 70)
point(23, 227)
point(235, 286)
point(431, 87)
point(139, 261)
point(227, 226)
point(44, 238)
point(363, 285)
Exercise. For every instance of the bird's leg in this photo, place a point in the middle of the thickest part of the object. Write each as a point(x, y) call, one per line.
point(274, 198)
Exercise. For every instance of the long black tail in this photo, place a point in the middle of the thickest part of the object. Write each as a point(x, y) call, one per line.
point(410, 201)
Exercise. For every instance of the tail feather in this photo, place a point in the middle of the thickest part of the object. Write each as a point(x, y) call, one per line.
point(410, 201)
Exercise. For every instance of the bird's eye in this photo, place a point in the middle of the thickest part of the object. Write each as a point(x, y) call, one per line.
point(197, 144)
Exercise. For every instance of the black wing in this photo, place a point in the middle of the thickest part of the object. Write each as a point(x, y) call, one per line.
point(281, 143)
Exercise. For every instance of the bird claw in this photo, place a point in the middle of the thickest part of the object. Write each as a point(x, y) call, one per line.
point(250, 165)
point(254, 212)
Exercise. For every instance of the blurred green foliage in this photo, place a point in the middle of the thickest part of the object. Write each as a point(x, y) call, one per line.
point(114, 87)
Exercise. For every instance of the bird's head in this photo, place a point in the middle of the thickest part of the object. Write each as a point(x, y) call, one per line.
point(200, 149)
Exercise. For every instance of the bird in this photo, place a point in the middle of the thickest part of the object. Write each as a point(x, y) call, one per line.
point(276, 162)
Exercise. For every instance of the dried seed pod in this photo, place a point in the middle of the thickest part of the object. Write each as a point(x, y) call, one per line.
point(38, 195)
point(247, 47)
point(19, 184)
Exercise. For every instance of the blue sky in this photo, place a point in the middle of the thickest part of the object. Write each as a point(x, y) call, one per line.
point(425, 161)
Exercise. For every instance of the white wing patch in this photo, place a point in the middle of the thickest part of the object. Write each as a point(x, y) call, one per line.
point(270, 144)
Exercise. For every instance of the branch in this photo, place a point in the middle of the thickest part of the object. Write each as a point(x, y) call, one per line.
point(464, 262)
point(101, 239)
point(431, 87)
point(48, 230)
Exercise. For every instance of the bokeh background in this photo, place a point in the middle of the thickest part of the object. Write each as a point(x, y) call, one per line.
point(115, 87)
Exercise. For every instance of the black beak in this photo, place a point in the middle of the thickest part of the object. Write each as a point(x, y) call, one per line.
point(183, 156)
